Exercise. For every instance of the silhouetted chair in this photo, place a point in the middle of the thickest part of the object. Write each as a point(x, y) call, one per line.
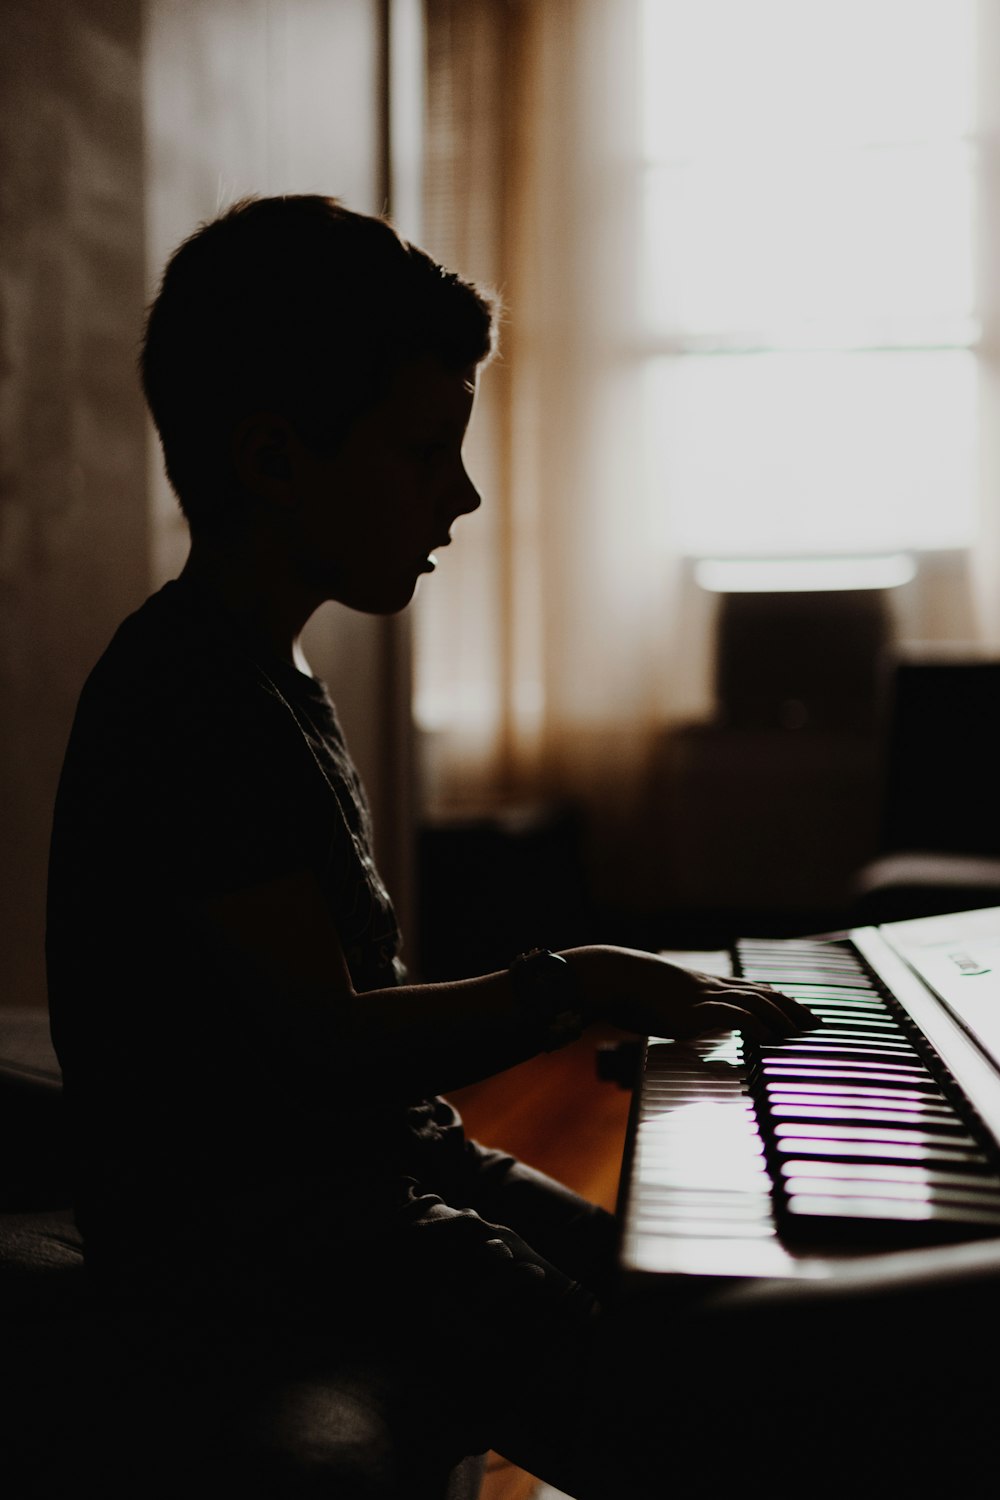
point(940, 836)
point(75, 1410)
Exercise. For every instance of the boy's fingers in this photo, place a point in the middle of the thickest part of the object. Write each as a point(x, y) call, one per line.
point(768, 1007)
point(797, 1013)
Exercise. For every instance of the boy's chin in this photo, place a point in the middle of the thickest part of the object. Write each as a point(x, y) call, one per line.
point(388, 600)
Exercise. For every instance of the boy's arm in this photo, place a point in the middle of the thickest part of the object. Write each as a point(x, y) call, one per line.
point(424, 1039)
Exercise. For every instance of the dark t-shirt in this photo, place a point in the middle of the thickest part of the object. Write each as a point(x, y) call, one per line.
point(194, 769)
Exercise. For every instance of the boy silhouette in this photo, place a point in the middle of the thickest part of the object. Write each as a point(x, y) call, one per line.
point(266, 1161)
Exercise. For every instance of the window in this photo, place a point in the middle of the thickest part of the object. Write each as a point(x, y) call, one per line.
point(808, 292)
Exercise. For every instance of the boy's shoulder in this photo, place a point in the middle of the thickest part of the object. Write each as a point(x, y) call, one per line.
point(170, 627)
point(174, 668)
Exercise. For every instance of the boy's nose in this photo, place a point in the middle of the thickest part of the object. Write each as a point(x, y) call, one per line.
point(466, 497)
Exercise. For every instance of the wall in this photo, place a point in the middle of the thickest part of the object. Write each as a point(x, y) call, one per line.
point(74, 528)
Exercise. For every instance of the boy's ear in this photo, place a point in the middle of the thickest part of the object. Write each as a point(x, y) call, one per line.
point(262, 446)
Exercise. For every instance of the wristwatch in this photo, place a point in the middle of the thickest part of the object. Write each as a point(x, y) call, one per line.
point(548, 991)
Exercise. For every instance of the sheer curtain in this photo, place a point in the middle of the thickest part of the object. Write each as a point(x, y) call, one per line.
point(562, 636)
point(548, 649)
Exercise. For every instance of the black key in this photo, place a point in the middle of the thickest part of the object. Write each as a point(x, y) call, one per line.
point(897, 1097)
point(940, 1122)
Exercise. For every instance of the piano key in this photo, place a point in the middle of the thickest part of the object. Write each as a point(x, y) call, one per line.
point(870, 1005)
point(833, 1078)
point(862, 1041)
point(818, 946)
point(859, 1027)
point(821, 978)
point(782, 1088)
point(702, 1201)
point(912, 1078)
point(850, 1085)
point(731, 1087)
point(865, 1112)
point(705, 1229)
point(891, 1211)
point(825, 1035)
point(660, 1104)
point(745, 1175)
point(782, 974)
point(849, 989)
point(860, 1013)
point(861, 1010)
point(819, 960)
point(852, 1082)
point(841, 1051)
point(840, 981)
point(824, 1169)
point(811, 971)
point(842, 989)
point(886, 1070)
point(986, 1196)
point(884, 1108)
point(867, 1004)
point(693, 1071)
point(818, 1046)
point(807, 973)
point(722, 1088)
point(876, 1027)
point(847, 1134)
point(943, 1122)
point(931, 1155)
point(869, 1027)
point(761, 958)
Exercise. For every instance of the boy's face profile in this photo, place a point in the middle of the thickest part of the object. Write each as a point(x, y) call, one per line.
point(366, 520)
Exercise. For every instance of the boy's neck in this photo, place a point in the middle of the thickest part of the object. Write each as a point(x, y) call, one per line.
point(256, 592)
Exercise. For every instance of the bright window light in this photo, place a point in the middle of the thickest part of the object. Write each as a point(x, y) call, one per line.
point(826, 247)
point(797, 575)
point(808, 286)
point(726, 73)
point(815, 453)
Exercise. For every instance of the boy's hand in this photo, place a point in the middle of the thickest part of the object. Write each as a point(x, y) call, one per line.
point(651, 996)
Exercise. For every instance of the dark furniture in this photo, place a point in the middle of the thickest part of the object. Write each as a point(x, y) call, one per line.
point(81, 1413)
point(940, 827)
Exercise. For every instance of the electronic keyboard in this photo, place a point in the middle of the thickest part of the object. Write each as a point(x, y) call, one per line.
point(880, 1130)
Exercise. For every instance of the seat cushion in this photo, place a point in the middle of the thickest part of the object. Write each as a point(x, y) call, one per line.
point(35, 1176)
point(41, 1269)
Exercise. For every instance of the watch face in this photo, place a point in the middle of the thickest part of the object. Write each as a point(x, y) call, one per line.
point(546, 986)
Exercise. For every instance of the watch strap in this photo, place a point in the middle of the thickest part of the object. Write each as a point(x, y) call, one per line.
point(548, 992)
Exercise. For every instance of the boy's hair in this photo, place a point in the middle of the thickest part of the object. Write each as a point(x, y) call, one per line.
point(295, 305)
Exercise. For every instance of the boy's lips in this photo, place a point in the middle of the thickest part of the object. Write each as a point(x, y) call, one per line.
point(430, 561)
